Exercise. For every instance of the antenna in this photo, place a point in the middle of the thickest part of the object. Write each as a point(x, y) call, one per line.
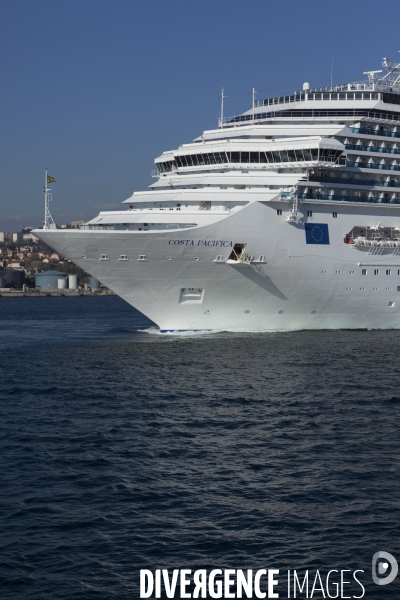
point(222, 108)
point(332, 73)
point(254, 102)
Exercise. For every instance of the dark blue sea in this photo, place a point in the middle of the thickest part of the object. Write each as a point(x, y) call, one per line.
point(123, 450)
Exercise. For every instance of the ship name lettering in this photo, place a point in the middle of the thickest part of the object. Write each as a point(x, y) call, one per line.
point(213, 243)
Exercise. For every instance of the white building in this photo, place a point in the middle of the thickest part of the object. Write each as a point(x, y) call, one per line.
point(17, 238)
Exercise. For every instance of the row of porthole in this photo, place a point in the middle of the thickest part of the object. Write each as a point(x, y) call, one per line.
point(280, 312)
point(365, 272)
point(142, 257)
point(313, 312)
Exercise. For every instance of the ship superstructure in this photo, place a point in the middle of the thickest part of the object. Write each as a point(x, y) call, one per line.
point(284, 217)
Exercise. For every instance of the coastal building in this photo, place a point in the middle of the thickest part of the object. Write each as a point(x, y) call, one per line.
point(48, 280)
point(17, 238)
point(29, 237)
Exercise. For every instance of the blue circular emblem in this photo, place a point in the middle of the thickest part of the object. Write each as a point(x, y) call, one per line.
point(317, 234)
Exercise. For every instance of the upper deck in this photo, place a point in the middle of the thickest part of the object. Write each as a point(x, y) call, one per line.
point(377, 98)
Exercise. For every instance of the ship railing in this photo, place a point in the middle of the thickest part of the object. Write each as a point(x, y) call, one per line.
point(98, 227)
point(379, 149)
point(365, 165)
point(310, 113)
point(342, 198)
point(367, 131)
point(354, 181)
point(361, 86)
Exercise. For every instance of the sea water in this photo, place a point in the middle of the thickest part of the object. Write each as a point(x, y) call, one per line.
point(123, 450)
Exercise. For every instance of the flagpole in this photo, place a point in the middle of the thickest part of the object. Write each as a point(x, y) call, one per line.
point(46, 226)
point(48, 219)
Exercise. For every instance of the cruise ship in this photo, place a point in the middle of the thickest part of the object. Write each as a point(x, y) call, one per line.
point(284, 217)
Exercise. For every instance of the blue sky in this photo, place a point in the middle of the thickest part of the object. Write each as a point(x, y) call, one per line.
point(96, 89)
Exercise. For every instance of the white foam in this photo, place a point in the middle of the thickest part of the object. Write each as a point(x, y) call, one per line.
point(197, 332)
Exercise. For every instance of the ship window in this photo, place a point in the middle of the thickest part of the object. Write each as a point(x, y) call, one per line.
point(299, 155)
point(276, 157)
point(334, 96)
point(350, 96)
point(284, 156)
point(376, 271)
point(342, 96)
point(307, 154)
point(235, 157)
point(279, 211)
point(309, 213)
point(217, 157)
point(244, 158)
point(358, 96)
point(212, 158)
point(364, 272)
point(263, 157)
point(291, 155)
point(317, 96)
point(254, 157)
point(387, 271)
point(334, 215)
point(314, 153)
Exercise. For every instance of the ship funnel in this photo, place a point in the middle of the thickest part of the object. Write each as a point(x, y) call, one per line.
point(306, 86)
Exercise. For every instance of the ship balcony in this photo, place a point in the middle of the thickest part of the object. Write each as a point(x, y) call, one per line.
point(349, 198)
point(361, 148)
point(354, 181)
point(379, 132)
point(364, 165)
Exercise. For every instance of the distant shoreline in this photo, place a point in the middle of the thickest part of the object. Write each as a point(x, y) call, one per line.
point(53, 294)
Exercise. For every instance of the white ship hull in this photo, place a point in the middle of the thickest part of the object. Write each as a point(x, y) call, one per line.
point(300, 286)
point(285, 217)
